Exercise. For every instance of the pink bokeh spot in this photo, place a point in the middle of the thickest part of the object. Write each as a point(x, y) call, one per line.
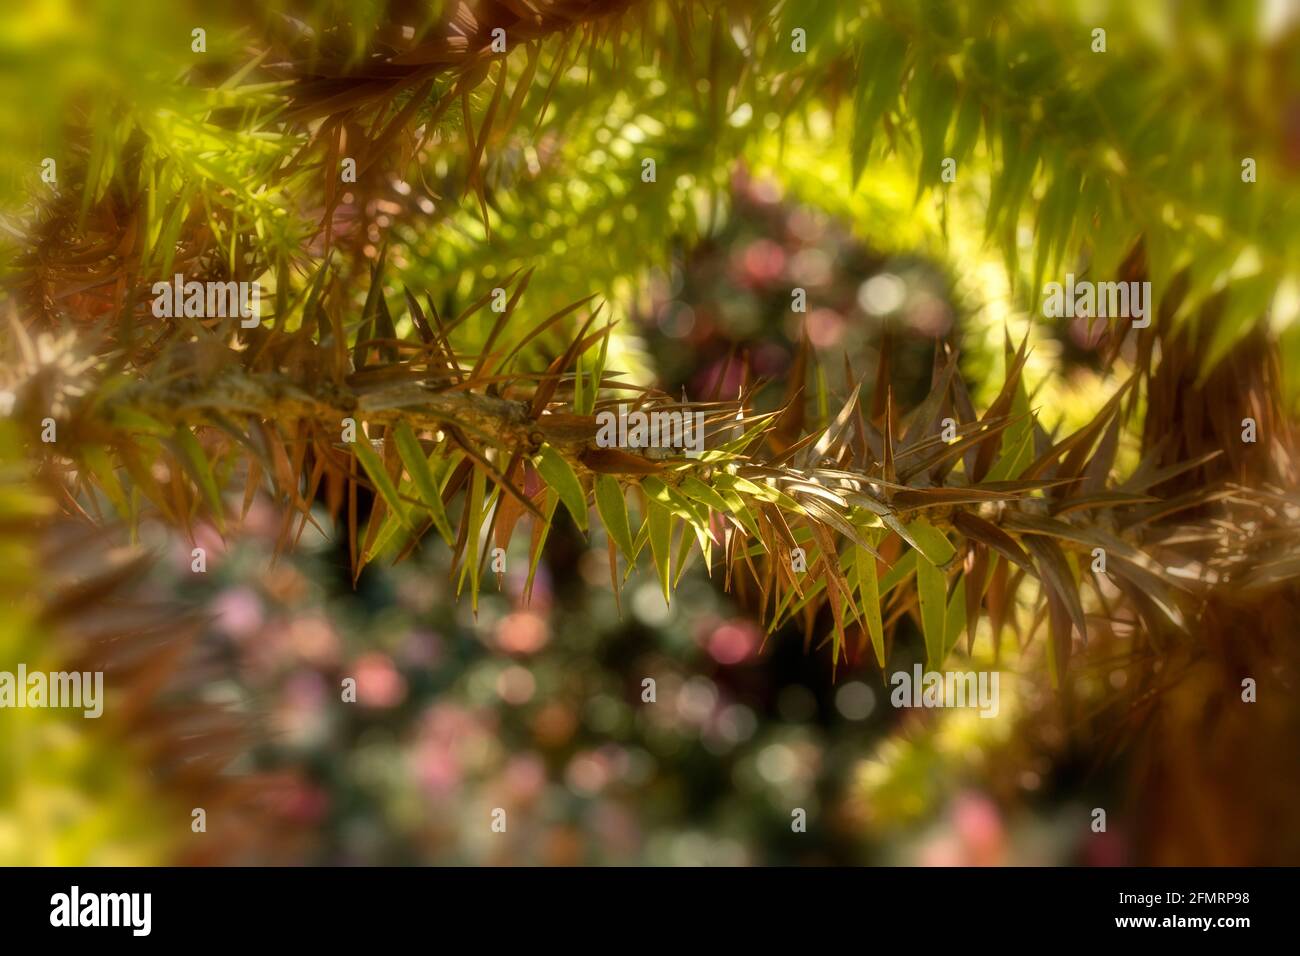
point(825, 327)
point(763, 261)
point(238, 612)
point(379, 684)
point(733, 641)
point(979, 826)
point(523, 632)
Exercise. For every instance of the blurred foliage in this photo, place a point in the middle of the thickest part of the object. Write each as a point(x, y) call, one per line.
point(518, 177)
point(538, 711)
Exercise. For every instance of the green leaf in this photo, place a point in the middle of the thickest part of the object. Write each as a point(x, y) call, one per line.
point(369, 310)
point(930, 541)
point(756, 489)
point(474, 502)
point(559, 475)
point(1018, 440)
point(584, 399)
point(692, 487)
point(955, 620)
point(97, 460)
point(747, 437)
point(613, 514)
point(197, 464)
point(898, 572)
point(864, 565)
point(737, 508)
point(880, 67)
point(131, 420)
point(688, 509)
point(386, 537)
point(966, 131)
point(659, 521)
point(932, 591)
point(378, 475)
point(638, 545)
point(932, 103)
point(684, 553)
point(422, 476)
point(674, 501)
point(1013, 459)
point(1245, 302)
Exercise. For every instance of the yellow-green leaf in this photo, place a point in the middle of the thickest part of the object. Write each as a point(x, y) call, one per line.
point(422, 476)
point(930, 541)
point(131, 420)
point(474, 502)
point(613, 514)
point(559, 475)
point(97, 460)
point(692, 487)
point(955, 621)
point(659, 521)
point(898, 572)
point(758, 489)
point(378, 475)
point(864, 563)
point(197, 462)
point(932, 591)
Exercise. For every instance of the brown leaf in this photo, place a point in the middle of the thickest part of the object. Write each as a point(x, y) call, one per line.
point(615, 461)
